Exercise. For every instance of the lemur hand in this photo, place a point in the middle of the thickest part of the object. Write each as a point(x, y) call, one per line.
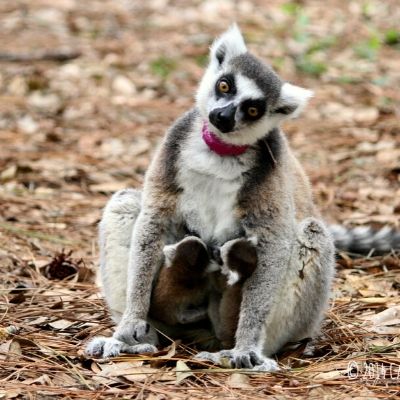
point(235, 358)
point(134, 331)
point(134, 337)
point(106, 347)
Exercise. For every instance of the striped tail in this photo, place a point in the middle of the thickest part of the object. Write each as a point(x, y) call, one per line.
point(365, 240)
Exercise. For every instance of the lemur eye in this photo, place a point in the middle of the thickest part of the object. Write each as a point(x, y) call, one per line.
point(252, 111)
point(223, 86)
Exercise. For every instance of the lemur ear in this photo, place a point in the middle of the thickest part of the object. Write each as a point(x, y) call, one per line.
point(292, 100)
point(230, 44)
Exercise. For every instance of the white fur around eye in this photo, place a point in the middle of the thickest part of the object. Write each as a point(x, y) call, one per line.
point(246, 89)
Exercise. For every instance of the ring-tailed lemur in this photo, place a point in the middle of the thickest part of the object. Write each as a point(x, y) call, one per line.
point(224, 170)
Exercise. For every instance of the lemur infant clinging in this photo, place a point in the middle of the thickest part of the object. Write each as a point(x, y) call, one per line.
point(238, 259)
point(181, 290)
point(225, 170)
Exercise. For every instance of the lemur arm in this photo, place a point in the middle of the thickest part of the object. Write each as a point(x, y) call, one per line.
point(260, 290)
point(157, 211)
point(144, 259)
point(258, 294)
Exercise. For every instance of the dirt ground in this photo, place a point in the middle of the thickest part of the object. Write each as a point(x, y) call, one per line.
point(87, 89)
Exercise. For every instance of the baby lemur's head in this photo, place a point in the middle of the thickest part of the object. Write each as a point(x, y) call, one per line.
point(239, 259)
point(188, 258)
point(242, 99)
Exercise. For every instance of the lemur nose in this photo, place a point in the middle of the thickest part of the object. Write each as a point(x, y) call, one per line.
point(223, 118)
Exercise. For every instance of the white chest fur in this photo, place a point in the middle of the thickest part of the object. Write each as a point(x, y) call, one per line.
point(210, 186)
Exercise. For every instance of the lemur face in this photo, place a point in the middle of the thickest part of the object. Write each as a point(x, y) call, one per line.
point(241, 98)
point(239, 259)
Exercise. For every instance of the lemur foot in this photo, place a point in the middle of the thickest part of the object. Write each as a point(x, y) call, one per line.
point(240, 359)
point(207, 356)
point(106, 347)
point(135, 331)
point(310, 233)
point(268, 365)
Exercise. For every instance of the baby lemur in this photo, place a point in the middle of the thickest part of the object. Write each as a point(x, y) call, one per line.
point(182, 288)
point(238, 259)
point(180, 293)
point(224, 170)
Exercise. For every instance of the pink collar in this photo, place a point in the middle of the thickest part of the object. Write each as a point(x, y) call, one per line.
point(216, 145)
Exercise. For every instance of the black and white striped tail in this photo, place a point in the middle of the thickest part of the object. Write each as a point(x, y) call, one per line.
point(365, 240)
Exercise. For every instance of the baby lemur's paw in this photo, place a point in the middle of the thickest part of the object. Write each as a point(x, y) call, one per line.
point(134, 331)
point(249, 359)
point(107, 347)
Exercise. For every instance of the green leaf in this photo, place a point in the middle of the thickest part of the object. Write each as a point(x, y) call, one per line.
point(369, 49)
point(163, 66)
point(291, 8)
point(307, 65)
point(392, 37)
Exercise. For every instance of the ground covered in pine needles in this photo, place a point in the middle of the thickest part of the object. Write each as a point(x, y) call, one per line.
point(87, 89)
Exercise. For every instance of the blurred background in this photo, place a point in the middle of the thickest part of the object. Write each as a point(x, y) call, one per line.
point(88, 88)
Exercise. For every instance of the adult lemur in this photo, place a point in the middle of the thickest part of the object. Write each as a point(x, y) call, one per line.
point(223, 171)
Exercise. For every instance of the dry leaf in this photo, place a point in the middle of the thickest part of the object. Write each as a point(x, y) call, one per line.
point(63, 379)
point(38, 321)
point(133, 371)
point(170, 352)
point(109, 187)
point(386, 322)
point(390, 316)
point(9, 173)
point(182, 371)
point(41, 380)
point(382, 342)
point(331, 375)
point(61, 324)
point(386, 330)
point(10, 350)
point(375, 300)
point(10, 393)
point(238, 381)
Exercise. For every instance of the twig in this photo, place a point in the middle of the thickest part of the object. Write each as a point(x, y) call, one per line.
point(41, 55)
